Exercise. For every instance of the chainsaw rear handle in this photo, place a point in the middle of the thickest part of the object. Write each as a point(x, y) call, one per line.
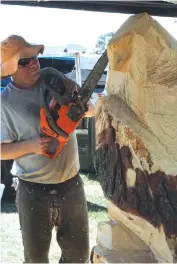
point(61, 142)
point(60, 136)
point(51, 156)
point(50, 119)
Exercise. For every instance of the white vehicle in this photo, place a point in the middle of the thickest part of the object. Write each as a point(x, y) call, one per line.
point(96, 95)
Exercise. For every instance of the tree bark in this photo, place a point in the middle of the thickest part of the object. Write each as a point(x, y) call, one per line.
point(136, 133)
point(124, 173)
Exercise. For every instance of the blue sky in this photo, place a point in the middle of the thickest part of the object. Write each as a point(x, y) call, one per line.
point(58, 27)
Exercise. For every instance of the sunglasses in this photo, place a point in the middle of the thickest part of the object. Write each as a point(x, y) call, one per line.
point(25, 61)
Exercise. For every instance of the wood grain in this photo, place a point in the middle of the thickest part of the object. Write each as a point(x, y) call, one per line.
point(142, 87)
point(136, 133)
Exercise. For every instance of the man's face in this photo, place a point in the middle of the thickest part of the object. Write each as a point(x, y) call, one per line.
point(28, 72)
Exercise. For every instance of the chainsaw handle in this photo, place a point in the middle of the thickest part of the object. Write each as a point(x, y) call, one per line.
point(61, 142)
point(50, 120)
point(50, 156)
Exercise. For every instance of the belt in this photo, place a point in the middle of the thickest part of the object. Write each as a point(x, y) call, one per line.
point(49, 187)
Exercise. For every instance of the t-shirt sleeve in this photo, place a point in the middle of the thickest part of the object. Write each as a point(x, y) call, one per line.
point(7, 135)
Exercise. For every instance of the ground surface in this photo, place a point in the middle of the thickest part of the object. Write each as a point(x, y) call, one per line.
point(11, 243)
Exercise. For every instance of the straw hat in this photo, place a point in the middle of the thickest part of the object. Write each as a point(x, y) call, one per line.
point(13, 49)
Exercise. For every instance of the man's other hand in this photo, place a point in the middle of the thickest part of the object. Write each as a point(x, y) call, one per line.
point(91, 110)
point(39, 145)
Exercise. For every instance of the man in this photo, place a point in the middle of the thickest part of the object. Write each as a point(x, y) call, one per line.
point(50, 191)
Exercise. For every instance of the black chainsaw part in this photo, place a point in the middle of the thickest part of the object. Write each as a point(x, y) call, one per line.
point(55, 83)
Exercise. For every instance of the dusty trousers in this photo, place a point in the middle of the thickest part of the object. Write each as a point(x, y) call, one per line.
point(43, 207)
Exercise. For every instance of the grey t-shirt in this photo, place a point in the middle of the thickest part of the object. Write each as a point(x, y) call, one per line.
point(20, 120)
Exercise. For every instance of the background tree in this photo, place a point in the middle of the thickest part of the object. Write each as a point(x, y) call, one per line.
point(103, 40)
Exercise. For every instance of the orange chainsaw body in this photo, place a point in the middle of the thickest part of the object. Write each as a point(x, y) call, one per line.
point(63, 122)
point(60, 118)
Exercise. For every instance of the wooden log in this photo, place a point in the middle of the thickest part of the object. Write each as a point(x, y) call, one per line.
point(151, 197)
point(104, 255)
point(136, 133)
point(114, 235)
point(152, 236)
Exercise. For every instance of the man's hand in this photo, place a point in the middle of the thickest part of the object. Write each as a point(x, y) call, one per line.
point(91, 110)
point(38, 145)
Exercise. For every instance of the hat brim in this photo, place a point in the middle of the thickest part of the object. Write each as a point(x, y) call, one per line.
point(9, 67)
point(31, 51)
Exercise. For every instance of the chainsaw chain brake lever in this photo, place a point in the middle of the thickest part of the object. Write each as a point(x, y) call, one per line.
point(56, 87)
point(55, 83)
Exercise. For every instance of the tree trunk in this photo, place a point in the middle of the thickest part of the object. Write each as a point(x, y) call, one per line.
point(136, 134)
point(141, 196)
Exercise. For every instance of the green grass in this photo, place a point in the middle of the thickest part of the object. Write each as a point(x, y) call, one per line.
point(89, 178)
point(11, 242)
point(96, 202)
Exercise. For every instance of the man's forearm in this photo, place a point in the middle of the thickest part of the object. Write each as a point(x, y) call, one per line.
point(14, 150)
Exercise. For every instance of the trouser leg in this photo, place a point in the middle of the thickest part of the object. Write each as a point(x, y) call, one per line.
point(34, 215)
point(73, 234)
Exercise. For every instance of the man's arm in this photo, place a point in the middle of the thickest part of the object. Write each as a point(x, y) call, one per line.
point(13, 150)
point(16, 150)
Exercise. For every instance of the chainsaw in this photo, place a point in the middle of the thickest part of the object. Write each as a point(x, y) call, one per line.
point(60, 118)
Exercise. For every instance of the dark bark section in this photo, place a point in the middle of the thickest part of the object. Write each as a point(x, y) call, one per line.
point(154, 196)
point(165, 199)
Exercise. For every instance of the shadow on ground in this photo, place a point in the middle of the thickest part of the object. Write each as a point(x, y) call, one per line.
point(92, 207)
point(92, 177)
point(8, 208)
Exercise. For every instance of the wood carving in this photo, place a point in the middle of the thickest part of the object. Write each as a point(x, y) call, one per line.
point(136, 133)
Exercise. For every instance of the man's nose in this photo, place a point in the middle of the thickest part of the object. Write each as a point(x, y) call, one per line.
point(33, 62)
